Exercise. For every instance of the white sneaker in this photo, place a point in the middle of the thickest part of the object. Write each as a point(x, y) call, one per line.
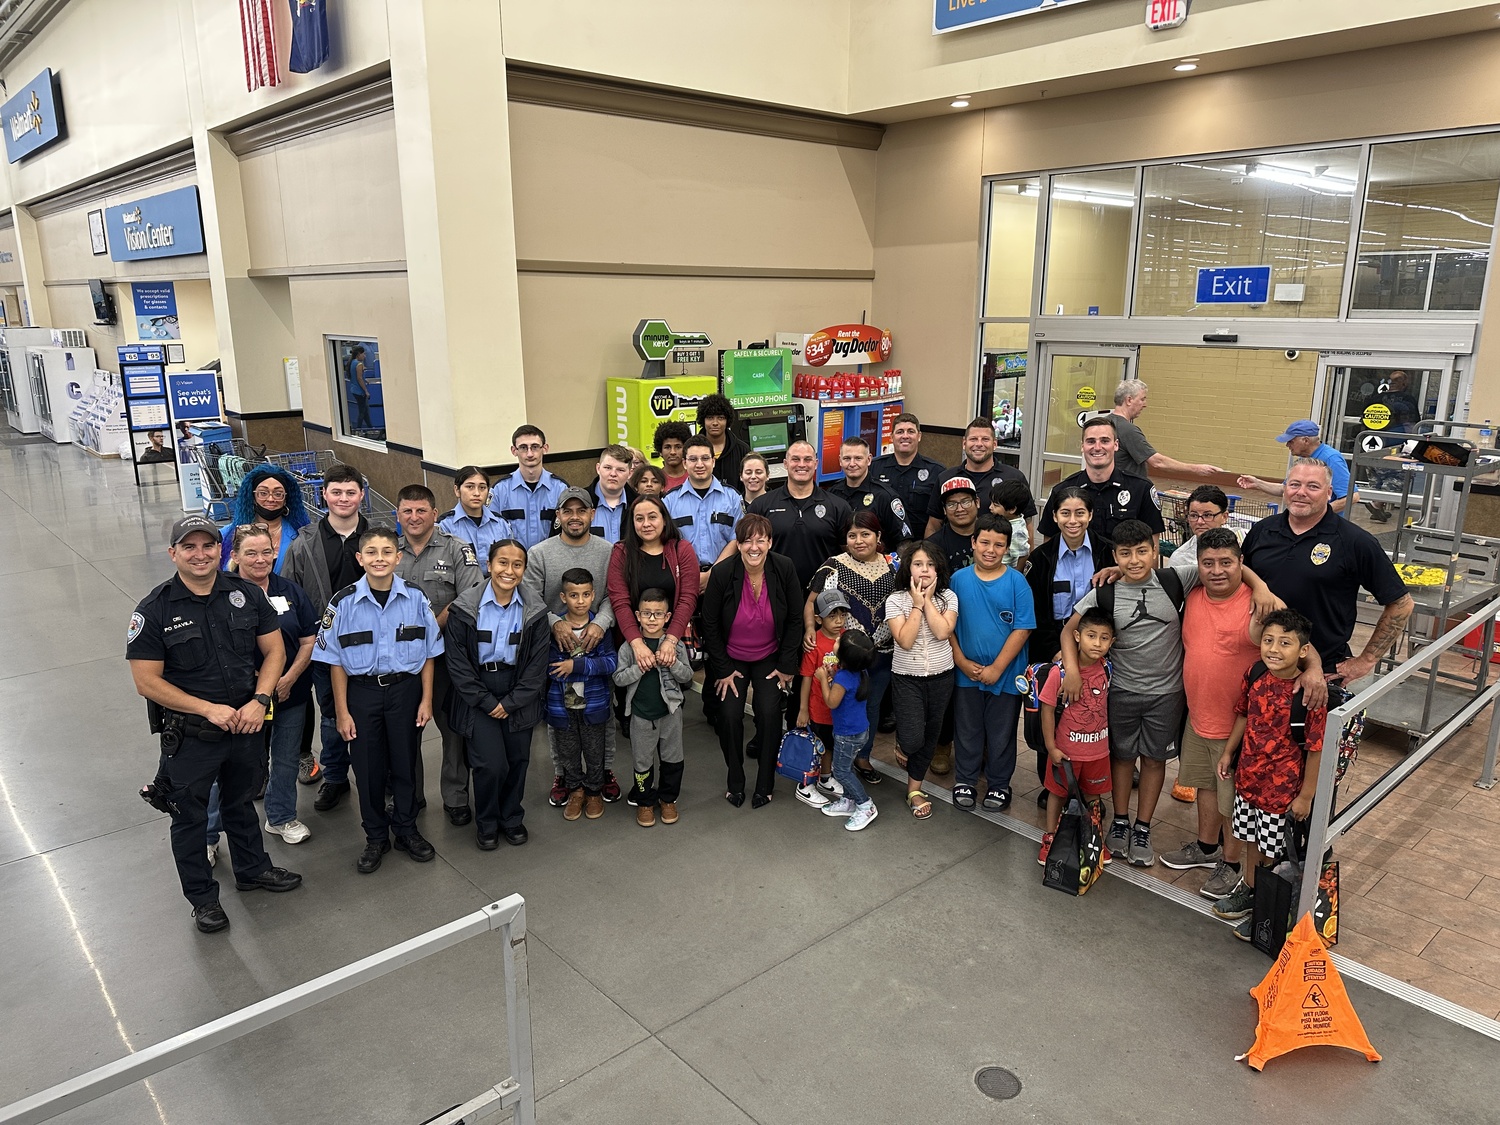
point(831, 784)
point(842, 807)
point(863, 814)
point(293, 831)
point(213, 854)
point(809, 795)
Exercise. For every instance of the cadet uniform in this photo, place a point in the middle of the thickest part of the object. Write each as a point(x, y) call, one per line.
point(707, 521)
point(607, 519)
point(887, 506)
point(207, 646)
point(1122, 497)
point(478, 534)
point(383, 649)
point(446, 568)
point(530, 509)
point(914, 484)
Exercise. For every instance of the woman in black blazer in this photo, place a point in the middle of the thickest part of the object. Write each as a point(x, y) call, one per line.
point(752, 633)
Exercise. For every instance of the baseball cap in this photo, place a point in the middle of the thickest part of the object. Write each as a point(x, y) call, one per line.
point(957, 484)
point(1305, 428)
point(579, 494)
point(189, 524)
point(830, 600)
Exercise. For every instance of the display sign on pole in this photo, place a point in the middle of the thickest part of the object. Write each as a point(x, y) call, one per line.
point(1234, 285)
point(143, 378)
point(193, 397)
point(1162, 15)
point(955, 15)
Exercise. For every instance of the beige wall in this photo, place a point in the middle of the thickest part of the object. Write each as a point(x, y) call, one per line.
point(67, 254)
point(1224, 406)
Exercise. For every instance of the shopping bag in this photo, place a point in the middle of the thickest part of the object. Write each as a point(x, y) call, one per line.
point(1278, 888)
point(800, 756)
point(1073, 865)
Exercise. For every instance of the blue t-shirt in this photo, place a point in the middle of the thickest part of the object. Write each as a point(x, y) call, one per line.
point(850, 717)
point(990, 612)
point(1337, 466)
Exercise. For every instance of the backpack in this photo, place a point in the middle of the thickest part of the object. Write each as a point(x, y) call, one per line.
point(1170, 580)
point(1298, 724)
point(1030, 684)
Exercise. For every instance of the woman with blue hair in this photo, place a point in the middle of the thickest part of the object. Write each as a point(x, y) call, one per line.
point(272, 496)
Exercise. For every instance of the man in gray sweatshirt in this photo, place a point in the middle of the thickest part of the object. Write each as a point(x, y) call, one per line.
point(546, 563)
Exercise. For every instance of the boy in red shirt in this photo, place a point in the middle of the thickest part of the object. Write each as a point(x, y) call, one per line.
point(832, 614)
point(1275, 777)
point(1080, 732)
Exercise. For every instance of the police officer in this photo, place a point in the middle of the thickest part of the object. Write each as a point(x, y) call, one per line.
point(442, 567)
point(807, 523)
point(192, 648)
point(1117, 496)
point(704, 509)
point(528, 497)
point(380, 640)
point(983, 469)
point(860, 493)
point(907, 473)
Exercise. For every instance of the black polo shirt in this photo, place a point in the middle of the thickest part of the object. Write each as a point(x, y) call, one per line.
point(206, 643)
point(913, 484)
point(887, 506)
point(1319, 574)
point(983, 481)
point(805, 531)
point(958, 548)
point(342, 553)
point(1122, 497)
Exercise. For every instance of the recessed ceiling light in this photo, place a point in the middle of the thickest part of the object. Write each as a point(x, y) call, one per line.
point(1183, 68)
point(960, 103)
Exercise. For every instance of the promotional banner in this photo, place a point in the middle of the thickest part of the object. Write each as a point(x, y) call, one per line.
point(847, 345)
point(155, 310)
point(193, 397)
point(33, 117)
point(952, 15)
point(168, 225)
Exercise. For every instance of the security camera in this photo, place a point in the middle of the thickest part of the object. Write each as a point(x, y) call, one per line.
point(1292, 354)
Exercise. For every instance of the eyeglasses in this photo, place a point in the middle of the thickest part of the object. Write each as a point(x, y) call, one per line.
point(254, 527)
point(652, 614)
point(270, 493)
point(530, 448)
point(1203, 517)
point(960, 502)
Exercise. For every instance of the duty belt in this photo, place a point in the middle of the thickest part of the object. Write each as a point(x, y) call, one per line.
point(388, 679)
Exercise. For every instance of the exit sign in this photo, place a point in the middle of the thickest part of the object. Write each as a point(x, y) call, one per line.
point(1162, 14)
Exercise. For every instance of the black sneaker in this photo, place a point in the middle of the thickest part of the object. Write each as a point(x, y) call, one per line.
point(611, 790)
point(271, 879)
point(416, 847)
point(330, 794)
point(210, 918)
point(369, 859)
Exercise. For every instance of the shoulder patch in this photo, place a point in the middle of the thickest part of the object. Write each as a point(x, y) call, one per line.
point(137, 623)
point(898, 508)
point(470, 558)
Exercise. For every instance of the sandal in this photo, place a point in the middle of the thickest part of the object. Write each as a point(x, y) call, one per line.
point(963, 796)
point(900, 758)
point(921, 807)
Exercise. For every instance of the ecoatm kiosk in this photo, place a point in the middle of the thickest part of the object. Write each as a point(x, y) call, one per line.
point(59, 375)
point(15, 375)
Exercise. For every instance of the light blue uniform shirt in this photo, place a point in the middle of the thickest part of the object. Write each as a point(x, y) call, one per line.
point(707, 521)
point(1076, 568)
point(477, 535)
point(499, 627)
point(607, 519)
point(531, 510)
point(368, 639)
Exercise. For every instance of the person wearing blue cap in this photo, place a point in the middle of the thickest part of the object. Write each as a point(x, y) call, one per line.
point(1302, 440)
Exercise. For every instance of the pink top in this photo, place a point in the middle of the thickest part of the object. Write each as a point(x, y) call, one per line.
point(753, 635)
point(1219, 651)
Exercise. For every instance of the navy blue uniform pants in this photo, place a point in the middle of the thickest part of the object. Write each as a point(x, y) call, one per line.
point(384, 753)
point(236, 762)
point(499, 755)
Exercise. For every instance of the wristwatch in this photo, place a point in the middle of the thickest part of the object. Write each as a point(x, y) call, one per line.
point(264, 701)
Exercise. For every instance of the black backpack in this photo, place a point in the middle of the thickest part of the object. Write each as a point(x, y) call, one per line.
point(1298, 724)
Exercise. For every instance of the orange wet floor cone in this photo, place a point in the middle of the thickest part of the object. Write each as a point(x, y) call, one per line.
point(1302, 1002)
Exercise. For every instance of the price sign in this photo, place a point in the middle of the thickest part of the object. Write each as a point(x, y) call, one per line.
point(687, 355)
point(1164, 14)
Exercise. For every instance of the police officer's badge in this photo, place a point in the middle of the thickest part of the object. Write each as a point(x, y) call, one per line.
point(820, 511)
point(470, 558)
point(1124, 497)
point(921, 474)
point(237, 599)
point(137, 623)
point(1320, 554)
point(869, 499)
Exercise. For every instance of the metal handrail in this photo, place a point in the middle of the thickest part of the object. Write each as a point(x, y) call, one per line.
point(1323, 828)
point(517, 1093)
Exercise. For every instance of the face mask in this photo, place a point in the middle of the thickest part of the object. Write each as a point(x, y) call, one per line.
point(270, 513)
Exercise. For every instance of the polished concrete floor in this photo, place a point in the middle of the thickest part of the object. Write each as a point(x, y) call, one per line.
point(741, 966)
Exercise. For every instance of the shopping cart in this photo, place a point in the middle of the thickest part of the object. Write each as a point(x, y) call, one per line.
point(222, 466)
point(1246, 511)
point(309, 464)
point(376, 508)
point(1174, 506)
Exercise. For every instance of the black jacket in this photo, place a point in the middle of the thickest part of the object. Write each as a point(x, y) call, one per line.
point(1045, 641)
point(721, 601)
point(731, 460)
point(528, 694)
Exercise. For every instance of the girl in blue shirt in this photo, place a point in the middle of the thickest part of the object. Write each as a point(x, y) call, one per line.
point(845, 691)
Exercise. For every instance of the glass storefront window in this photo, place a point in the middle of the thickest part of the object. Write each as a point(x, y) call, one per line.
point(1002, 382)
point(1011, 253)
point(357, 390)
point(1088, 242)
point(1289, 211)
point(1428, 223)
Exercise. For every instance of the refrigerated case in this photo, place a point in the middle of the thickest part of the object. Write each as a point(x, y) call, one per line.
point(830, 421)
point(15, 377)
point(58, 379)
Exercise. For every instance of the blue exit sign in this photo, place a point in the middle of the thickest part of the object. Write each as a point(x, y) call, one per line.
point(1234, 285)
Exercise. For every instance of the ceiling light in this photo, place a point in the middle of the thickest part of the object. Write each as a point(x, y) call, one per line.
point(1183, 68)
point(961, 102)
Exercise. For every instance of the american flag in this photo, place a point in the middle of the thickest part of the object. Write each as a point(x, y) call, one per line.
point(260, 44)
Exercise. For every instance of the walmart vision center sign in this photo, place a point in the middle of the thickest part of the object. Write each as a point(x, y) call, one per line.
point(168, 225)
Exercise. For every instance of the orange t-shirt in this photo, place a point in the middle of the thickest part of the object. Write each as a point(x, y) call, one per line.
point(1218, 652)
point(822, 653)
